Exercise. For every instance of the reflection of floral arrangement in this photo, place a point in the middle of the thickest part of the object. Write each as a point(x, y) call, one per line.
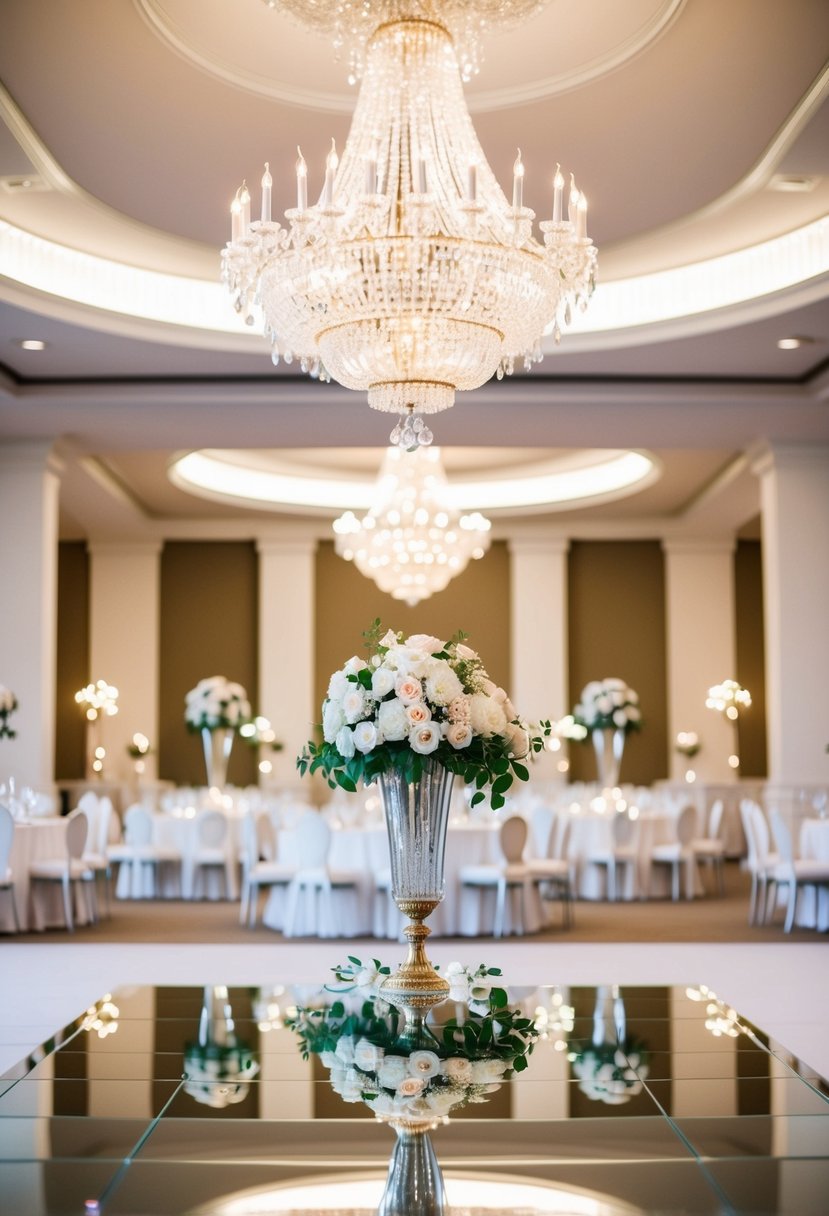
point(216, 703)
point(611, 1072)
point(415, 698)
point(608, 705)
point(420, 1073)
point(207, 1065)
point(8, 705)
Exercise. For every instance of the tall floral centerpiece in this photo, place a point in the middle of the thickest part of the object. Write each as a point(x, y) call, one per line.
point(8, 706)
point(217, 708)
point(608, 709)
point(413, 715)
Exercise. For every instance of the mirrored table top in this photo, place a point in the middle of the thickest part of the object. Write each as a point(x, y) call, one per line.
point(199, 1101)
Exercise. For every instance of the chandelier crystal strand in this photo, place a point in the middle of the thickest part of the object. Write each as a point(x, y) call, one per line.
point(412, 542)
point(429, 282)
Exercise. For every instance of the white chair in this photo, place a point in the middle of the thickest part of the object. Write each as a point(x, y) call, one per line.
point(511, 875)
point(95, 855)
point(212, 852)
point(315, 882)
point(6, 841)
point(258, 842)
point(554, 874)
point(623, 851)
point(679, 854)
point(141, 856)
point(761, 859)
point(792, 872)
point(70, 871)
point(710, 847)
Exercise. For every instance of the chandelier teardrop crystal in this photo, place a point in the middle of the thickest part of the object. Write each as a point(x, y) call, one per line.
point(412, 542)
point(413, 276)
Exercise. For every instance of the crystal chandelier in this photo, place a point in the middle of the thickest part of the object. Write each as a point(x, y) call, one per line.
point(412, 542)
point(413, 276)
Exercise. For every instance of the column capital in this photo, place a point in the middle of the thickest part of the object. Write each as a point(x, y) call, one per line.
point(680, 546)
point(772, 456)
point(542, 546)
point(124, 548)
point(299, 546)
point(34, 454)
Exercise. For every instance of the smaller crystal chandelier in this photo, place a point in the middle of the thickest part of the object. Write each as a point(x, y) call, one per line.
point(412, 542)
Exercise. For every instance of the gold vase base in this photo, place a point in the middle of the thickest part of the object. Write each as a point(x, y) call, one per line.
point(415, 985)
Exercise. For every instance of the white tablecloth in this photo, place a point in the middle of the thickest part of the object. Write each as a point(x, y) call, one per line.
point(366, 852)
point(38, 840)
point(179, 832)
point(591, 834)
point(812, 910)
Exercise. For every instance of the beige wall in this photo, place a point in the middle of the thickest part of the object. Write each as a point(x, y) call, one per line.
point(616, 619)
point(751, 663)
point(209, 627)
point(72, 658)
point(477, 601)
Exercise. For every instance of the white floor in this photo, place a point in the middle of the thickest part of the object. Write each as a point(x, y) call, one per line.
point(784, 989)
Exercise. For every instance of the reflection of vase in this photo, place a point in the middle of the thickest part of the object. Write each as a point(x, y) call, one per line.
point(417, 815)
point(609, 746)
point(415, 1184)
point(609, 1021)
point(217, 744)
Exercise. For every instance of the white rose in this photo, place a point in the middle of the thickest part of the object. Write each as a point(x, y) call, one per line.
point(458, 1069)
point(408, 689)
point(519, 741)
point(441, 1101)
point(368, 1055)
point(604, 704)
point(333, 720)
point(344, 742)
point(486, 715)
point(618, 698)
point(352, 1089)
point(633, 697)
point(338, 686)
point(354, 665)
point(329, 1059)
point(409, 1087)
point(465, 652)
point(367, 977)
point(382, 682)
point(458, 734)
point(354, 704)
point(418, 713)
point(620, 718)
point(383, 1104)
point(484, 1071)
point(392, 720)
point(424, 1064)
point(344, 1050)
point(425, 642)
point(389, 638)
point(392, 1070)
point(442, 685)
point(424, 739)
point(365, 736)
point(615, 684)
point(633, 713)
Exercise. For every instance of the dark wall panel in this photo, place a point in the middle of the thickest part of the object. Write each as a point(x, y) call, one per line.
point(751, 659)
point(72, 658)
point(616, 612)
point(209, 627)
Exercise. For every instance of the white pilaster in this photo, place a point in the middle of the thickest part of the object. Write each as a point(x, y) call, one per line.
point(699, 602)
point(124, 607)
point(286, 646)
point(29, 483)
point(795, 505)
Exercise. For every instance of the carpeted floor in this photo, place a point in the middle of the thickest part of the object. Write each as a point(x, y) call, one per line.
point(712, 919)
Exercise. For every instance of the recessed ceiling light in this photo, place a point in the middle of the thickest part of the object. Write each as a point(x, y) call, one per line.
point(793, 343)
point(33, 344)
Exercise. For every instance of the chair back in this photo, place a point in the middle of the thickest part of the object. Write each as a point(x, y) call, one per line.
point(77, 830)
point(686, 825)
point(715, 820)
point(313, 840)
point(624, 830)
point(513, 838)
point(211, 827)
point(266, 837)
point(250, 840)
point(543, 822)
point(88, 802)
point(561, 848)
point(760, 829)
point(748, 830)
point(782, 837)
point(102, 826)
point(138, 826)
point(6, 838)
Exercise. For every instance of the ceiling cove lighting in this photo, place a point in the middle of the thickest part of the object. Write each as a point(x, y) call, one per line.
point(793, 343)
point(32, 344)
point(412, 542)
point(589, 477)
point(413, 276)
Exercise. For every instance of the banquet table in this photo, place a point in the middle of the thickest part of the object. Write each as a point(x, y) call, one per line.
point(812, 910)
point(365, 851)
point(179, 831)
point(40, 839)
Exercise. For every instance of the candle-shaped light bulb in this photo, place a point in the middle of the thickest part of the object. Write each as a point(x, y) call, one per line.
point(236, 219)
point(267, 193)
point(421, 176)
point(472, 183)
point(581, 216)
point(518, 183)
point(573, 201)
point(244, 199)
point(301, 181)
point(558, 194)
point(331, 163)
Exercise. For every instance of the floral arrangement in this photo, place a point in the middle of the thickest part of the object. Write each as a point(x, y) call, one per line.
point(8, 705)
point(216, 703)
point(608, 705)
point(612, 1073)
point(416, 698)
point(728, 698)
point(424, 1073)
point(687, 743)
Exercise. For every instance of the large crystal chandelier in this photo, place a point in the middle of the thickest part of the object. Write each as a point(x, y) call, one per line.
point(413, 276)
point(412, 542)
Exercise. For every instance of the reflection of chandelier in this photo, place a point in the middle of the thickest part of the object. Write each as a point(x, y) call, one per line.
point(413, 276)
point(412, 541)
